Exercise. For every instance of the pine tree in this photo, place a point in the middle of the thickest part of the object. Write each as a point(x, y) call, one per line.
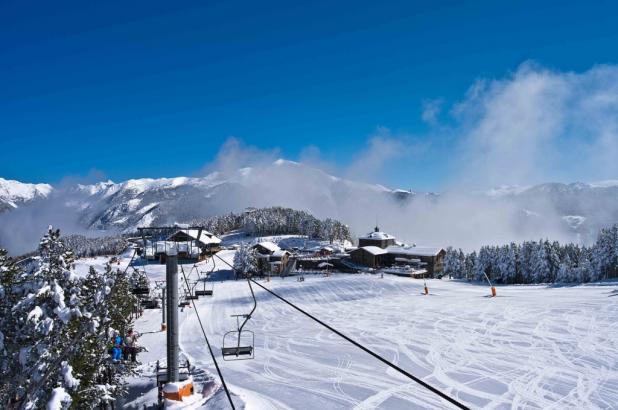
point(244, 260)
point(48, 309)
point(92, 365)
point(565, 271)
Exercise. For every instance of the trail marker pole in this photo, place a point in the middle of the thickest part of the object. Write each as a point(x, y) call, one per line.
point(493, 289)
point(163, 297)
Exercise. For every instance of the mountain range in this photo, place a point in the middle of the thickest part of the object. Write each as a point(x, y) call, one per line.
point(578, 209)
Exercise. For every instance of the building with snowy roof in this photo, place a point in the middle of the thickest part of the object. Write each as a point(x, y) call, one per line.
point(376, 238)
point(266, 247)
point(270, 257)
point(380, 249)
point(430, 258)
point(190, 245)
point(371, 256)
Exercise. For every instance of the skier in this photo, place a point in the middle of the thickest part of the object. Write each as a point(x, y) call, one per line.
point(131, 345)
point(117, 347)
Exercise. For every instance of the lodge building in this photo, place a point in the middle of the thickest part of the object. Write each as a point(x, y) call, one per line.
point(378, 249)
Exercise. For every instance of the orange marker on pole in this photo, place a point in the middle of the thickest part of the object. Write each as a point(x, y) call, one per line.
point(493, 289)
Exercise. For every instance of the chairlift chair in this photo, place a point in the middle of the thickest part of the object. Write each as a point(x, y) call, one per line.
point(210, 291)
point(204, 291)
point(191, 295)
point(239, 344)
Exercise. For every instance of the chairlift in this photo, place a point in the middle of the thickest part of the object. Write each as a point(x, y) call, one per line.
point(211, 289)
point(239, 344)
point(191, 295)
point(141, 288)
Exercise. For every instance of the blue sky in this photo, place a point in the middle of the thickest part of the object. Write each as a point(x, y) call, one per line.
point(151, 89)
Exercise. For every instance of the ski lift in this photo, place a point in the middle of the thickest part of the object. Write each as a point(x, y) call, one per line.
point(191, 295)
point(204, 291)
point(239, 344)
point(210, 291)
point(184, 302)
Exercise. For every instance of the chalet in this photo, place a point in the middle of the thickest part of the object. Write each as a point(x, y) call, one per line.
point(270, 257)
point(376, 238)
point(371, 256)
point(429, 258)
point(266, 248)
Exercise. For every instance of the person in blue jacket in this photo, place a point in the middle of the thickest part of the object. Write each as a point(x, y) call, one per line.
point(117, 349)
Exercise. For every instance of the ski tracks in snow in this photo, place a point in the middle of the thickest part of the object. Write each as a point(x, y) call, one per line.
point(533, 347)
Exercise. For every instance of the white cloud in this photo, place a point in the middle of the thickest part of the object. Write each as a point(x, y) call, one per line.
point(538, 125)
point(381, 150)
point(431, 109)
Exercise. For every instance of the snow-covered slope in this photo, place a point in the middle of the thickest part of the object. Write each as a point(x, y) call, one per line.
point(15, 193)
point(530, 347)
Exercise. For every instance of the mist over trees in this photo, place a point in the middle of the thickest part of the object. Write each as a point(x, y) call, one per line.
point(276, 221)
point(538, 261)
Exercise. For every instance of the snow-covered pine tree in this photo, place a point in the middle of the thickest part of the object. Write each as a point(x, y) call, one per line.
point(8, 325)
point(244, 260)
point(470, 265)
point(48, 309)
point(453, 265)
point(508, 268)
point(99, 378)
point(605, 253)
point(120, 301)
point(565, 271)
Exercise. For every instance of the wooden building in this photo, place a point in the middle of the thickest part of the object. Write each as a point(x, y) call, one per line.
point(376, 238)
point(270, 257)
point(371, 256)
point(431, 259)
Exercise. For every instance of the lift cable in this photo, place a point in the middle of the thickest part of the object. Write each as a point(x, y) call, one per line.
point(227, 392)
point(377, 356)
point(360, 346)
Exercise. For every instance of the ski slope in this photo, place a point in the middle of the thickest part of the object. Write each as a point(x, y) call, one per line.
point(531, 347)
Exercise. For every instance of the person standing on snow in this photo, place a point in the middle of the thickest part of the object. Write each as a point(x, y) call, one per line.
point(117, 347)
point(130, 342)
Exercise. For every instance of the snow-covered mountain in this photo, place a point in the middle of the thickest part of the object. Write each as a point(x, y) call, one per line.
point(547, 210)
point(15, 193)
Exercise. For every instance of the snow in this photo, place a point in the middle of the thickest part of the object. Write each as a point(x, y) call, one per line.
point(610, 183)
point(529, 347)
point(506, 190)
point(206, 237)
point(35, 314)
point(15, 191)
point(377, 235)
point(67, 374)
point(414, 250)
point(60, 399)
point(175, 387)
point(374, 250)
point(272, 247)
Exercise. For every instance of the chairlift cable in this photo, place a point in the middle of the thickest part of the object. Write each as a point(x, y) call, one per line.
point(365, 349)
point(227, 392)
